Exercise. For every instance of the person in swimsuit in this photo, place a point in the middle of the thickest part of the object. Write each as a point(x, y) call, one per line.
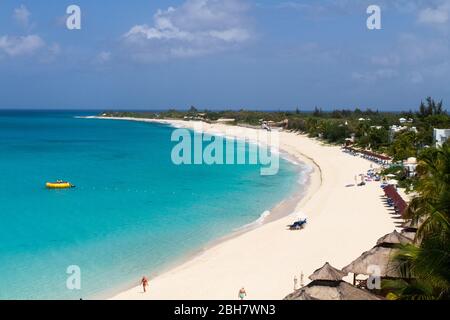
point(144, 283)
point(242, 293)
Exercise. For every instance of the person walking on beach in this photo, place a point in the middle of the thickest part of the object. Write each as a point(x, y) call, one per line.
point(242, 294)
point(144, 283)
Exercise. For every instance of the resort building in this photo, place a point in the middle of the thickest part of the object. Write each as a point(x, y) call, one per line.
point(393, 130)
point(197, 117)
point(225, 120)
point(410, 166)
point(440, 136)
point(404, 120)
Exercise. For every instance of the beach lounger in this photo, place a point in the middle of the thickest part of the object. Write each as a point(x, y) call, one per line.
point(298, 225)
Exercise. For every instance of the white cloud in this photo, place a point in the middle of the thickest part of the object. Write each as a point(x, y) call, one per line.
point(435, 15)
point(13, 46)
point(22, 16)
point(415, 58)
point(411, 50)
point(103, 57)
point(376, 75)
point(341, 6)
point(292, 5)
point(196, 27)
point(18, 46)
point(347, 7)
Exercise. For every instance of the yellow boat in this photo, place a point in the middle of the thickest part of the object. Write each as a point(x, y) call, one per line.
point(59, 185)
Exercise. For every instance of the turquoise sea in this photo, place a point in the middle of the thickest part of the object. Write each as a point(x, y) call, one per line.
point(132, 213)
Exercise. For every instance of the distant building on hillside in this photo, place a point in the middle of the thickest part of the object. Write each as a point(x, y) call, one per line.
point(393, 130)
point(440, 136)
point(225, 120)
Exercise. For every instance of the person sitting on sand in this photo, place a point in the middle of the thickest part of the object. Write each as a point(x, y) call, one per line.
point(242, 293)
point(144, 283)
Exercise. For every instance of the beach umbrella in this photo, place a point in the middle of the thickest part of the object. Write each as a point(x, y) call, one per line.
point(393, 238)
point(409, 234)
point(381, 256)
point(327, 272)
point(327, 284)
point(300, 295)
point(410, 226)
point(378, 256)
point(409, 229)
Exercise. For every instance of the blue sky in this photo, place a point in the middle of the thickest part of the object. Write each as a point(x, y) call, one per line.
point(256, 54)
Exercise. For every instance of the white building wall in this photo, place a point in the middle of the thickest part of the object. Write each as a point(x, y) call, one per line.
point(440, 136)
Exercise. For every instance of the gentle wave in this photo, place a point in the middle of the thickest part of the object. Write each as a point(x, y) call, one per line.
point(258, 222)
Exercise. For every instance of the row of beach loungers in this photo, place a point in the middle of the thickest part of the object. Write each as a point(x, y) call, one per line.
point(395, 200)
point(369, 155)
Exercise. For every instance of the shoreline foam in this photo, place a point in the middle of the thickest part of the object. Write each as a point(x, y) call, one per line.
point(278, 211)
point(343, 223)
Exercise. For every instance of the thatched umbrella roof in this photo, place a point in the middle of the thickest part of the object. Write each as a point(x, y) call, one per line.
point(381, 256)
point(332, 291)
point(410, 226)
point(393, 238)
point(327, 272)
point(409, 234)
point(377, 256)
point(327, 284)
point(299, 295)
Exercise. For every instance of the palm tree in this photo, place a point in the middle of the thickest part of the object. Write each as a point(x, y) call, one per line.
point(432, 207)
point(427, 262)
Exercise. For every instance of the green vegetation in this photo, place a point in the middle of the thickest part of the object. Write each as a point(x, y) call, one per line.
point(371, 129)
point(424, 264)
point(427, 262)
point(405, 145)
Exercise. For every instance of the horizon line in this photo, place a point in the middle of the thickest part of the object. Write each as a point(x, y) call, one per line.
point(382, 110)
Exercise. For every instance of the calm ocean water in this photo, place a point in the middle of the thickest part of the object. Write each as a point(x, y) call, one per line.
point(133, 212)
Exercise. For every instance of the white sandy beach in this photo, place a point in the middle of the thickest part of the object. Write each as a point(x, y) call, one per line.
point(343, 223)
